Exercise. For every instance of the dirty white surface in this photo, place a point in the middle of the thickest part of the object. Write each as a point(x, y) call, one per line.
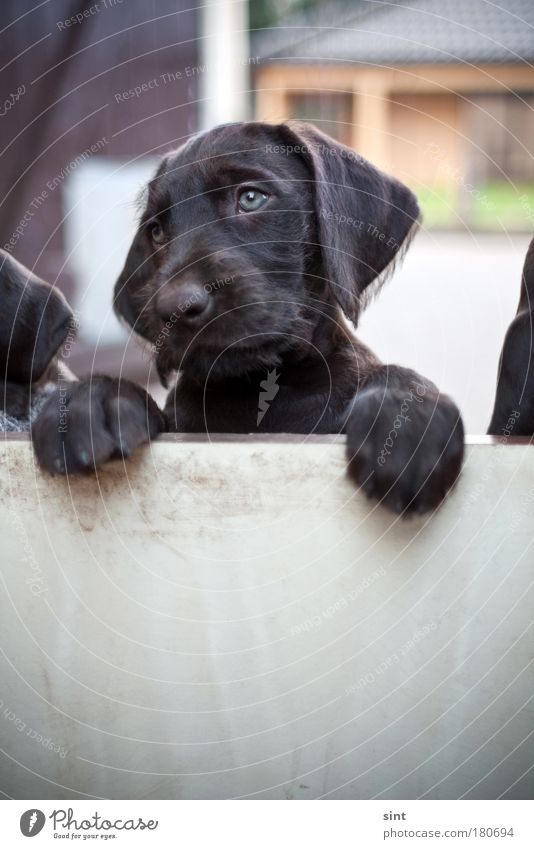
point(235, 620)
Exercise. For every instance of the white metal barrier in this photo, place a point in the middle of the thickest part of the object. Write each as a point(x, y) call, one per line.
point(231, 618)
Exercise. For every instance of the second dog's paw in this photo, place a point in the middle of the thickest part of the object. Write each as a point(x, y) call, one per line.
point(405, 448)
point(87, 423)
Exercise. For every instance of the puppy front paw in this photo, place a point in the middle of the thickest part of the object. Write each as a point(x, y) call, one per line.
point(84, 424)
point(405, 447)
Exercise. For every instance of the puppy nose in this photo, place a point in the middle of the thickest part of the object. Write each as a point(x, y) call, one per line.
point(186, 301)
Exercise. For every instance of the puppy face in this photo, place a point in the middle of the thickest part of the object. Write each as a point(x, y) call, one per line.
point(34, 322)
point(252, 235)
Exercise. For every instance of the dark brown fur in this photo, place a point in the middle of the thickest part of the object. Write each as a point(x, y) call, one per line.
point(233, 301)
point(34, 322)
point(513, 413)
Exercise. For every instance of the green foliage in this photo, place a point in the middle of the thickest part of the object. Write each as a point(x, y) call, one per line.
point(266, 13)
point(495, 206)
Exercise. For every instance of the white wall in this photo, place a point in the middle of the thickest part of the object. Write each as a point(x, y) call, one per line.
point(101, 213)
point(234, 619)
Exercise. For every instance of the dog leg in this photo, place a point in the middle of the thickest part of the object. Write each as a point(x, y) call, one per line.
point(405, 440)
point(86, 423)
point(513, 412)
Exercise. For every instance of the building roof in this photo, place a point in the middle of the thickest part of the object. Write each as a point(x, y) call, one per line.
point(401, 32)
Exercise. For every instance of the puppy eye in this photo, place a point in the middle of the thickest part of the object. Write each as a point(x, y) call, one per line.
point(252, 199)
point(156, 231)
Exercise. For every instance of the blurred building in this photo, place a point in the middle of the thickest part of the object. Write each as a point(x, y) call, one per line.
point(439, 92)
point(92, 93)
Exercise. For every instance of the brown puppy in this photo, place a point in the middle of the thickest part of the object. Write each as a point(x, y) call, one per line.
point(255, 245)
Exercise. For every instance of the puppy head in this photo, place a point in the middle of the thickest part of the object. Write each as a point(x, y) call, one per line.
point(34, 322)
point(251, 236)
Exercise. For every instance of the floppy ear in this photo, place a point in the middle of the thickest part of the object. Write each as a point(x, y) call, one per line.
point(364, 216)
point(129, 296)
point(128, 292)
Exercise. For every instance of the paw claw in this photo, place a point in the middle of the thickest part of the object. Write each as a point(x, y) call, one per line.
point(94, 433)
